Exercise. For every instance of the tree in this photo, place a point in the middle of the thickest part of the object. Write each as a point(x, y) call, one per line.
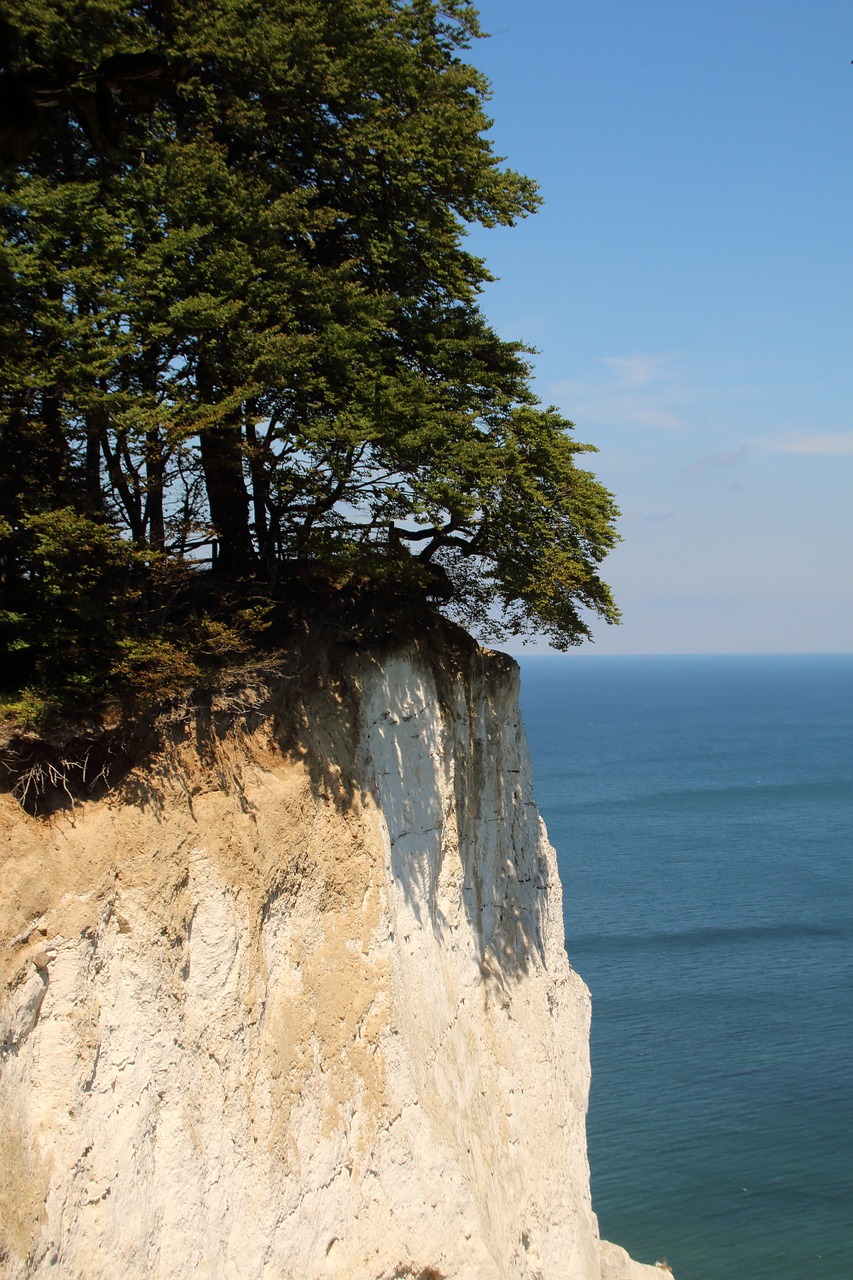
point(236, 306)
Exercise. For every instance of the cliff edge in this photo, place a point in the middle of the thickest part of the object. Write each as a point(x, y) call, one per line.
point(292, 1000)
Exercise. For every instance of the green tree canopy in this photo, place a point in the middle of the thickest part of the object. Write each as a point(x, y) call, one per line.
point(236, 307)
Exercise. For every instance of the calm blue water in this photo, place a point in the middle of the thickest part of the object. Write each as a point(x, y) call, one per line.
point(702, 809)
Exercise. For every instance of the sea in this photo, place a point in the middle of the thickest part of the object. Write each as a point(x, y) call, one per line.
point(702, 812)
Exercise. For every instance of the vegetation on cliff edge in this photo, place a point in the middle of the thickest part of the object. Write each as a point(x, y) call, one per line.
point(243, 358)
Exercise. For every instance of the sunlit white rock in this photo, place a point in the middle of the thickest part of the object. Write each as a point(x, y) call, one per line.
point(302, 1011)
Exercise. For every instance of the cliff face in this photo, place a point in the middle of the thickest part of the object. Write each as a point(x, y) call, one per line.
point(293, 1001)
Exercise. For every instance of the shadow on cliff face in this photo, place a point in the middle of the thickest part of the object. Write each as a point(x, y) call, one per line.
point(47, 775)
point(80, 756)
point(505, 872)
point(444, 769)
point(449, 772)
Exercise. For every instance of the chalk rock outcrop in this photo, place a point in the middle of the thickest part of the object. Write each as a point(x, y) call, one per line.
point(293, 1001)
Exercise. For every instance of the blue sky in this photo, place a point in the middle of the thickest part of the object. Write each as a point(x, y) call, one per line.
point(688, 285)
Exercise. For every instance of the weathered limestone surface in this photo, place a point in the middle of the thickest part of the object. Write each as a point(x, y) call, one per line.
point(293, 1001)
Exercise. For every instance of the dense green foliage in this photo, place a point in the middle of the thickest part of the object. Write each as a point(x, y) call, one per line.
point(237, 311)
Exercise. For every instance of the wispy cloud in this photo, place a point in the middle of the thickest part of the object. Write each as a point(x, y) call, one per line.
point(635, 390)
point(637, 370)
point(713, 464)
point(837, 442)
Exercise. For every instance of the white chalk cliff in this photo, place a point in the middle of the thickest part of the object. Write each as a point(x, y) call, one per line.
point(292, 1000)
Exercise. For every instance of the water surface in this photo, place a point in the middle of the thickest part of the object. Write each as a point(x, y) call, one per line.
point(702, 810)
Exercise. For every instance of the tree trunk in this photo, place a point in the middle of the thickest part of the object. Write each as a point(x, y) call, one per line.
point(222, 464)
point(155, 465)
point(221, 448)
point(94, 491)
